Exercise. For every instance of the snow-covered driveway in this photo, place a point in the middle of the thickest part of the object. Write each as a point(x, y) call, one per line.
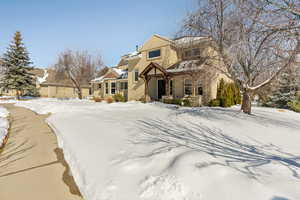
point(131, 151)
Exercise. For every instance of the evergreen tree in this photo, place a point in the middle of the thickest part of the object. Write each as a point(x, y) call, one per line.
point(220, 92)
point(236, 94)
point(286, 90)
point(16, 66)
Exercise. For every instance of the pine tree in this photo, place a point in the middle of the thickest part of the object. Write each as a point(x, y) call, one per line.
point(16, 65)
point(286, 90)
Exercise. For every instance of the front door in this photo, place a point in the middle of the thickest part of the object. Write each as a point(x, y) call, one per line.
point(161, 89)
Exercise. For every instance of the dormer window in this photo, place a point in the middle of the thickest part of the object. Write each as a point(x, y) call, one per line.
point(191, 53)
point(154, 54)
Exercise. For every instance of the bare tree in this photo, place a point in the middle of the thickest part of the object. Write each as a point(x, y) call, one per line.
point(292, 6)
point(79, 67)
point(254, 41)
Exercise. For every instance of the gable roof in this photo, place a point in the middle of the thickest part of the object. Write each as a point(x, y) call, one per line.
point(151, 66)
point(162, 37)
point(167, 40)
point(112, 73)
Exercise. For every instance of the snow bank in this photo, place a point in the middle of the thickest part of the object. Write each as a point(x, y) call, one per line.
point(3, 124)
point(157, 152)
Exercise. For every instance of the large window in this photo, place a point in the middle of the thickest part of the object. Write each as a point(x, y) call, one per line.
point(136, 75)
point(106, 88)
point(113, 88)
point(154, 54)
point(188, 87)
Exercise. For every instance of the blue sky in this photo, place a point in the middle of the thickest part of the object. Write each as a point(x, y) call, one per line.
point(107, 27)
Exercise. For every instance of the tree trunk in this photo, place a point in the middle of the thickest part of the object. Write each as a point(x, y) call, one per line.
point(246, 102)
point(18, 94)
point(79, 94)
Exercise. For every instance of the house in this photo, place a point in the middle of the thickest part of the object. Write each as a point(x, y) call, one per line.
point(50, 86)
point(165, 68)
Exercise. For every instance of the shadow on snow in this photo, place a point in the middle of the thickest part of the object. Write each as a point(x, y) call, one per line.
point(240, 155)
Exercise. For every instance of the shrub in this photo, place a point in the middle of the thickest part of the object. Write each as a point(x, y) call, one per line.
point(97, 99)
point(109, 100)
point(168, 101)
point(294, 105)
point(177, 101)
point(119, 98)
point(173, 101)
point(142, 99)
point(186, 102)
point(214, 103)
point(228, 94)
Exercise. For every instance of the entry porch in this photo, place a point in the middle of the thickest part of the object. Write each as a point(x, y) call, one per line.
point(164, 85)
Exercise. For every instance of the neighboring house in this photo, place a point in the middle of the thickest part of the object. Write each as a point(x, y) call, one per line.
point(49, 86)
point(165, 68)
point(52, 87)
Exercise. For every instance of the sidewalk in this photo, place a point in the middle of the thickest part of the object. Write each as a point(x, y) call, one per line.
point(32, 167)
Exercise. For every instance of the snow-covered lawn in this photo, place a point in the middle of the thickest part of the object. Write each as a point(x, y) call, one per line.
point(4, 124)
point(135, 151)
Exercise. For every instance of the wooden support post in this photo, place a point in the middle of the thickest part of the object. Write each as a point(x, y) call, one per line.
point(146, 94)
point(167, 86)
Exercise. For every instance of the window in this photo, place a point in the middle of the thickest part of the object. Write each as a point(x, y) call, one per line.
point(154, 54)
point(188, 54)
point(188, 87)
point(136, 75)
point(106, 88)
point(199, 88)
point(113, 88)
point(171, 87)
point(123, 85)
point(191, 53)
point(196, 52)
point(99, 86)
